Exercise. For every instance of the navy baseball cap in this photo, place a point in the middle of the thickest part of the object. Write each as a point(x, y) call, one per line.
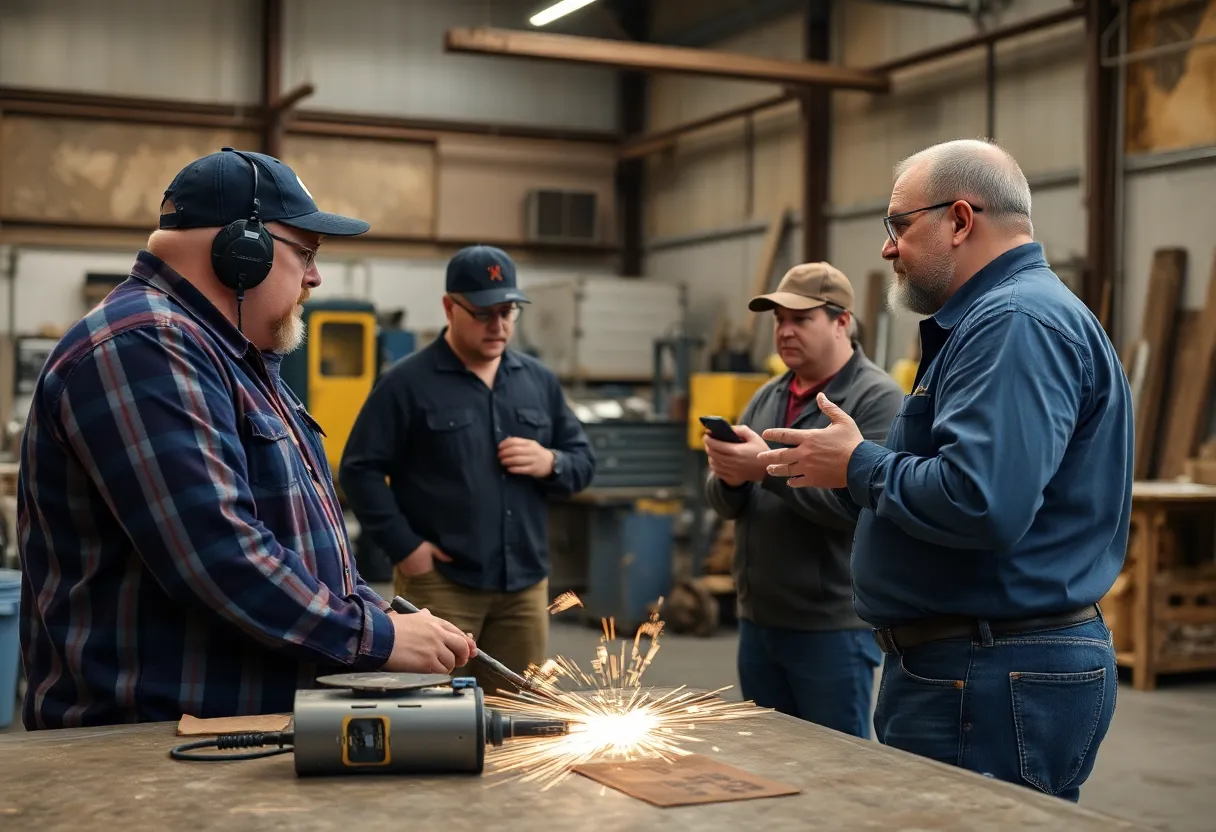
point(218, 189)
point(485, 276)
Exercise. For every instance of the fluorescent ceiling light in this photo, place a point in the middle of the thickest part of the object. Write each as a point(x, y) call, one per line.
point(557, 10)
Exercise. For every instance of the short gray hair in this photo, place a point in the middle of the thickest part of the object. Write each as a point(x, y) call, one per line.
point(833, 312)
point(979, 170)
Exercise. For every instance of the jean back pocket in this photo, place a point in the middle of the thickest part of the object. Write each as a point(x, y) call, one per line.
point(1057, 716)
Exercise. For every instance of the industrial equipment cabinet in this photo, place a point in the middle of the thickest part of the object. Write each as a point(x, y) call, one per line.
point(602, 329)
point(614, 542)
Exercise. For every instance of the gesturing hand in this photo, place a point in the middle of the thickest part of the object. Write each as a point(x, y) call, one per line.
point(820, 457)
point(525, 457)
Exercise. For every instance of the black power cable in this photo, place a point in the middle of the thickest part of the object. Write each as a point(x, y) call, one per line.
point(282, 739)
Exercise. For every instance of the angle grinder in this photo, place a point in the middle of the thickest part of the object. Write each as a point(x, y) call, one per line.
point(388, 723)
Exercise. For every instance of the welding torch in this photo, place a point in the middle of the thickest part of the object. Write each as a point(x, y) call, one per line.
point(483, 659)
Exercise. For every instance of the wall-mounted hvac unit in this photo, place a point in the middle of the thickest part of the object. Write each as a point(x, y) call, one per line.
point(555, 216)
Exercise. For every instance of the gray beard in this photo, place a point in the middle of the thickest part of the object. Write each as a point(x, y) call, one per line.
point(923, 296)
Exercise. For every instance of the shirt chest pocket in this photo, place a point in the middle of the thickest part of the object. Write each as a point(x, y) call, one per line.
point(912, 430)
point(272, 460)
point(314, 436)
point(450, 430)
point(534, 424)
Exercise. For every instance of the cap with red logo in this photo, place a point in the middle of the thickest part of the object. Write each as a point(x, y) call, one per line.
point(484, 276)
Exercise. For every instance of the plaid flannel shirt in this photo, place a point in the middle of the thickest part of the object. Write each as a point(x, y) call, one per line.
point(181, 540)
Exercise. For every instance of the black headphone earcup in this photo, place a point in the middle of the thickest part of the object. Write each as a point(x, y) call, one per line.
point(242, 255)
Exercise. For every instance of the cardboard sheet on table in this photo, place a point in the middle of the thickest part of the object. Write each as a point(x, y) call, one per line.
point(687, 781)
point(190, 726)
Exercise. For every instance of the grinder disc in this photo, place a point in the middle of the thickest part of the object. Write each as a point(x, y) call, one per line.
point(385, 681)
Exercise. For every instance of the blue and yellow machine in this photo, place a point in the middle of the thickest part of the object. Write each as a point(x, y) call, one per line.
point(342, 356)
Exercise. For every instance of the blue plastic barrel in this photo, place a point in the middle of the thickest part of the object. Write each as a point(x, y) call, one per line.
point(630, 560)
point(10, 642)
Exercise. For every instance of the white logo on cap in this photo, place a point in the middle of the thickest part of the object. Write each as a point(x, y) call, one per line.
point(305, 187)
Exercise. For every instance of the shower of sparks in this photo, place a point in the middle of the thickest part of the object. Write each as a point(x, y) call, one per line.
point(563, 602)
point(613, 716)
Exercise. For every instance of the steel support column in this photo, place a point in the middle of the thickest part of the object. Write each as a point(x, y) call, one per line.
point(816, 135)
point(1098, 286)
point(272, 76)
point(634, 19)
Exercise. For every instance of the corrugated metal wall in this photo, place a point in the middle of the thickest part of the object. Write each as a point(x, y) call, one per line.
point(712, 179)
point(382, 57)
point(1038, 117)
point(200, 50)
point(719, 275)
point(371, 56)
point(1168, 207)
point(386, 57)
point(714, 182)
point(701, 187)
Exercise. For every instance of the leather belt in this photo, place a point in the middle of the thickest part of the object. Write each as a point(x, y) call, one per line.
point(905, 636)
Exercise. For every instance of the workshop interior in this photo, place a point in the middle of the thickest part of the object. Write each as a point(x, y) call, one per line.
point(650, 167)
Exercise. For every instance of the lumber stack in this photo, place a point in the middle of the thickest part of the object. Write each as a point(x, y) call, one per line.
point(1172, 368)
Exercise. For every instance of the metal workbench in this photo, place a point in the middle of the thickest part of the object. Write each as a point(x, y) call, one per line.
point(122, 778)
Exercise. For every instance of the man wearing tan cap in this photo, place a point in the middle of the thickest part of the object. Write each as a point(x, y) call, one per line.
point(802, 649)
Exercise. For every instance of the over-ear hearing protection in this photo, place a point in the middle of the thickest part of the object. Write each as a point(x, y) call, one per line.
point(243, 251)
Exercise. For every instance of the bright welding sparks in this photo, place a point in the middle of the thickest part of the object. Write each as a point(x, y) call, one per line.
point(563, 602)
point(612, 716)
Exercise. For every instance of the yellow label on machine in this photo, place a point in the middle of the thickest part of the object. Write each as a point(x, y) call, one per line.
point(365, 741)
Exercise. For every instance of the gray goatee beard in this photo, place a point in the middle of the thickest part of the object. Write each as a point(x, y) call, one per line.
point(923, 294)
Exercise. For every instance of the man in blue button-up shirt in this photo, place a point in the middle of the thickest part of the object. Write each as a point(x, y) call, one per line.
point(473, 438)
point(996, 515)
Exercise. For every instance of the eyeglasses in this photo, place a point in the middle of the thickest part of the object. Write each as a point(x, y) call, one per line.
point(484, 316)
point(308, 255)
point(890, 226)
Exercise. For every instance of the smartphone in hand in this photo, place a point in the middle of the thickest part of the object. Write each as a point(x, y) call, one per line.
point(720, 429)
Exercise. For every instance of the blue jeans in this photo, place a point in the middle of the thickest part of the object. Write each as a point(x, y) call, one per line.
point(1030, 708)
point(822, 676)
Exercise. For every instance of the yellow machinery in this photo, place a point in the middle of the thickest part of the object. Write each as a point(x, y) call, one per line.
point(719, 394)
point(775, 365)
point(904, 373)
point(334, 371)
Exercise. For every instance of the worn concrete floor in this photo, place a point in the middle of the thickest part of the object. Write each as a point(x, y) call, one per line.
point(1157, 765)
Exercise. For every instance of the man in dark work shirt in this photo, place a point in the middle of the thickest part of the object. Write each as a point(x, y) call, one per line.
point(802, 649)
point(473, 438)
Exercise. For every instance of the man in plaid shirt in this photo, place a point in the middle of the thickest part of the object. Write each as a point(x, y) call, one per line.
point(181, 540)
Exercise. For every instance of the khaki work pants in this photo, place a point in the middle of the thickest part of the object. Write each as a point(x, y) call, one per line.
point(513, 627)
